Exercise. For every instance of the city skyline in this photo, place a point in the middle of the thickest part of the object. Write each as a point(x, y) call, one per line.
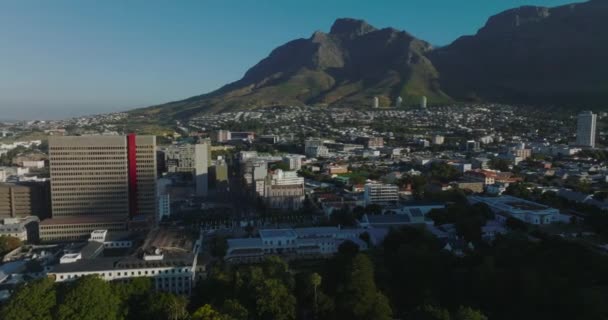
point(69, 59)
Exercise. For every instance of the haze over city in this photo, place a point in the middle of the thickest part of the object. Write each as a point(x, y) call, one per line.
point(67, 58)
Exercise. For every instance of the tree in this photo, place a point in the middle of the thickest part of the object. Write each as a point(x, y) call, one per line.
point(207, 312)
point(358, 298)
point(133, 295)
point(165, 306)
point(274, 301)
point(601, 196)
point(466, 313)
point(381, 309)
point(443, 171)
point(233, 309)
point(516, 224)
point(315, 281)
point(8, 243)
point(431, 312)
point(31, 301)
point(348, 248)
point(499, 164)
point(89, 298)
point(218, 246)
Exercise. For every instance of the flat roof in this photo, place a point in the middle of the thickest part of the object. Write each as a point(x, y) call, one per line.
point(244, 242)
point(124, 263)
point(277, 233)
point(87, 219)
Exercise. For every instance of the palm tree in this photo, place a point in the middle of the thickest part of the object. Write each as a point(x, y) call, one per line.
point(315, 280)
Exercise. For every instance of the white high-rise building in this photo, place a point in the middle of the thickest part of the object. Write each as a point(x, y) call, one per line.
point(423, 102)
point(585, 129)
point(294, 161)
point(438, 139)
point(376, 102)
point(380, 193)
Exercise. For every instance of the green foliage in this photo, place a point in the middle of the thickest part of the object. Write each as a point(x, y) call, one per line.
point(8, 243)
point(164, 306)
point(467, 219)
point(234, 310)
point(516, 224)
point(600, 155)
point(358, 297)
point(89, 298)
point(274, 301)
point(466, 313)
point(218, 246)
point(520, 190)
point(443, 172)
point(279, 165)
point(500, 164)
point(31, 301)
point(430, 312)
point(207, 312)
point(7, 158)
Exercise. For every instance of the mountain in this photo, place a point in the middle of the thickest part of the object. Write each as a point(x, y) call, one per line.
point(532, 55)
point(348, 66)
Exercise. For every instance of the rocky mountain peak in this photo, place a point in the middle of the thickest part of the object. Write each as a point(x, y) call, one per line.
point(351, 27)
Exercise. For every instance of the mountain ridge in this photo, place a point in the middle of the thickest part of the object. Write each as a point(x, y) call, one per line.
point(523, 55)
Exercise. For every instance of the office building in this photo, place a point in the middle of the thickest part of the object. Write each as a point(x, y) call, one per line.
point(99, 182)
point(220, 174)
point(191, 158)
point(585, 129)
point(380, 193)
point(222, 136)
point(284, 190)
point(473, 145)
point(371, 142)
point(423, 101)
point(376, 103)
point(398, 102)
point(18, 200)
point(317, 151)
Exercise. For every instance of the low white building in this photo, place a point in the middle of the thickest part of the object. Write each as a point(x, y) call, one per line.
point(299, 243)
point(524, 210)
point(172, 269)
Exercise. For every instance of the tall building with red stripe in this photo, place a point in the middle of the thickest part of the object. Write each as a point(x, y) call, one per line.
point(100, 179)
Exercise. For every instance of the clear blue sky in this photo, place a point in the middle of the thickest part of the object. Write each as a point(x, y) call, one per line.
point(63, 58)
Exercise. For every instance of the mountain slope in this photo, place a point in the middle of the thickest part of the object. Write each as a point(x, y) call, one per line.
point(346, 67)
point(532, 55)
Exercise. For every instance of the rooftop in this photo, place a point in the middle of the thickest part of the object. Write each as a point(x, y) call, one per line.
point(85, 220)
point(277, 233)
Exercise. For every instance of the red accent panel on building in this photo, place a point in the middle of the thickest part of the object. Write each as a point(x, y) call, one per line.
point(132, 163)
